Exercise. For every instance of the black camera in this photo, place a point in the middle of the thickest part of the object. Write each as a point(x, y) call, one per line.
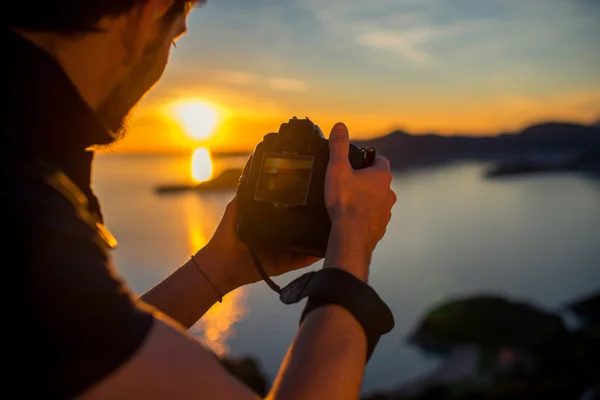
point(281, 192)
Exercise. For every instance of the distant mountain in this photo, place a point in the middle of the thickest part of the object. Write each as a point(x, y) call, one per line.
point(546, 140)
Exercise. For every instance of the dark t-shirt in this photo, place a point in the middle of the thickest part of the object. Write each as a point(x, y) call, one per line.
point(82, 320)
point(75, 321)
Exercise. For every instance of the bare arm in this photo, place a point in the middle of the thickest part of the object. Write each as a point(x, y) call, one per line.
point(172, 364)
point(328, 355)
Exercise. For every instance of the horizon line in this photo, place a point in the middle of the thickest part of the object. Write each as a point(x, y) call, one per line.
point(233, 152)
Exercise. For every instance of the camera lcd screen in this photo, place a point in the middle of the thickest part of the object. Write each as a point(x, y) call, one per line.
point(284, 180)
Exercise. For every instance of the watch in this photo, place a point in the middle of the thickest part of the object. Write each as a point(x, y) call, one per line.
point(336, 286)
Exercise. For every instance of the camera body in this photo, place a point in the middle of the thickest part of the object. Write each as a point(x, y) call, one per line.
point(281, 192)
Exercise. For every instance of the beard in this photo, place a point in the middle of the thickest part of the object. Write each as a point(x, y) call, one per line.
point(116, 108)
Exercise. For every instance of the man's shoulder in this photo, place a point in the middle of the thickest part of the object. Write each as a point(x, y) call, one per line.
point(43, 199)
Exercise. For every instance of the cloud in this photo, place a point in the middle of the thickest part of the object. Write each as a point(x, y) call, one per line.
point(422, 32)
point(412, 43)
point(242, 78)
point(405, 28)
point(570, 105)
point(287, 85)
point(235, 77)
point(395, 43)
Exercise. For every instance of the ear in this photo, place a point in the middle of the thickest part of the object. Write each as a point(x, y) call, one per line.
point(140, 25)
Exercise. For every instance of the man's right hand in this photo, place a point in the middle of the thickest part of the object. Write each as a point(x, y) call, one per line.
point(359, 203)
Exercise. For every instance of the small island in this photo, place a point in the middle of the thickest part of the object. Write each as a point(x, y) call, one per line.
point(584, 162)
point(493, 347)
point(227, 180)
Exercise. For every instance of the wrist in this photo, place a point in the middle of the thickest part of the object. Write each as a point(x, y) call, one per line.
point(216, 270)
point(349, 247)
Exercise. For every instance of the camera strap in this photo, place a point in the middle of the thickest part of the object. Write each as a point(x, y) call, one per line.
point(335, 286)
point(263, 274)
point(288, 294)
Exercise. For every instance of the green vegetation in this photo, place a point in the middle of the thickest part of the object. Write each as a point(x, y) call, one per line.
point(562, 364)
point(488, 321)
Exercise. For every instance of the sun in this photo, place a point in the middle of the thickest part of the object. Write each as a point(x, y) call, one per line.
point(198, 117)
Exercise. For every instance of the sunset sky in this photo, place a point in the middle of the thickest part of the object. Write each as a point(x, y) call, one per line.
point(449, 66)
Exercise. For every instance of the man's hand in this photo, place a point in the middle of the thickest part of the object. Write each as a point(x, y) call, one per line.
point(227, 254)
point(359, 203)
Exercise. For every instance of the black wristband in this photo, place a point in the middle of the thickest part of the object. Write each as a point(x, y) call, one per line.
point(372, 335)
point(335, 286)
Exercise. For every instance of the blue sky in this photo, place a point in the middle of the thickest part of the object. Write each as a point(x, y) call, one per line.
point(444, 65)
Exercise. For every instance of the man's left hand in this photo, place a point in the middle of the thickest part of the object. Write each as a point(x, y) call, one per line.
point(230, 258)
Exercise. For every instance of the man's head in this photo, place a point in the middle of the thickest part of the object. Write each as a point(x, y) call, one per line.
point(137, 36)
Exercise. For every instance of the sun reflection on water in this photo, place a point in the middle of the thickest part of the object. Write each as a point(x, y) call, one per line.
point(216, 327)
point(201, 165)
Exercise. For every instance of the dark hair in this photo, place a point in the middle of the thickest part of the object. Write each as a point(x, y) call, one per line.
point(72, 16)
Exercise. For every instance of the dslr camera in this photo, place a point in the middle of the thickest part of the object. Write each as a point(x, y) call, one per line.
point(281, 192)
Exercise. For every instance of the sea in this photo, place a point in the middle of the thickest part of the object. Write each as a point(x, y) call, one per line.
point(454, 233)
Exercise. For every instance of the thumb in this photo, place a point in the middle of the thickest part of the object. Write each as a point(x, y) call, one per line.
point(339, 144)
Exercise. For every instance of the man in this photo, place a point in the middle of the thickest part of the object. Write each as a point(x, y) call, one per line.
point(75, 69)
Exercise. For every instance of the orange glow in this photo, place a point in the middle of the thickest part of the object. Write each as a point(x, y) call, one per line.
point(202, 165)
point(243, 118)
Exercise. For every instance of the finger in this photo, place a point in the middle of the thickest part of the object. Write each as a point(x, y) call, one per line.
point(307, 260)
point(381, 163)
point(393, 197)
point(339, 144)
point(231, 211)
